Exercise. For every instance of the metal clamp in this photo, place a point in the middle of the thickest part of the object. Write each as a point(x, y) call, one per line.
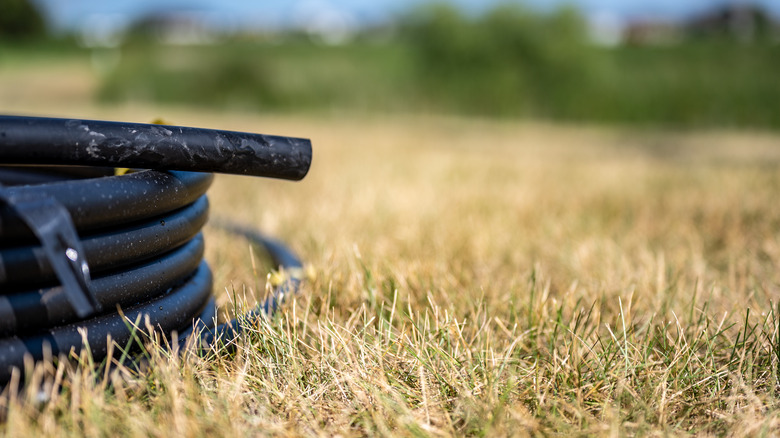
point(51, 223)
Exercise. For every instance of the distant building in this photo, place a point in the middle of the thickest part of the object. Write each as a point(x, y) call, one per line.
point(741, 22)
point(735, 21)
point(652, 33)
point(177, 27)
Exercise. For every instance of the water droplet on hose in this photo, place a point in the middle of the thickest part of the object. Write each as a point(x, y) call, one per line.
point(72, 254)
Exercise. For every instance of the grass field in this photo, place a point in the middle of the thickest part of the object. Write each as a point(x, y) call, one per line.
point(464, 277)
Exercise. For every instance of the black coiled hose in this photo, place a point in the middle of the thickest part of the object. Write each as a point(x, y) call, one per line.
point(84, 252)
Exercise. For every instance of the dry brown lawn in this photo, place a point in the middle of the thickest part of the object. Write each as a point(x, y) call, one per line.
point(469, 277)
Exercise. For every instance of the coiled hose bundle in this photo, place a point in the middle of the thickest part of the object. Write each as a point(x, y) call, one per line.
point(85, 252)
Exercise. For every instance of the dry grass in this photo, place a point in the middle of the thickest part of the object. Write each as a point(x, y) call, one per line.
point(472, 278)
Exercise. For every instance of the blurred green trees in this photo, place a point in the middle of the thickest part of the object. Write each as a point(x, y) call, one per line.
point(508, 62)
point(20, 19)
point(512, 61)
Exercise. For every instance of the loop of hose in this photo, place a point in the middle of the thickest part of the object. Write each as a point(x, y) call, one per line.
point(139, 249)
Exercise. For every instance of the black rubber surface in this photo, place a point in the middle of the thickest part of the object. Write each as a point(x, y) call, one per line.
point(167, 313)
point(24, 312)
point(109, 250)
point(140, 234)
point(106, 203)
point(159, 147)
point(125, 245)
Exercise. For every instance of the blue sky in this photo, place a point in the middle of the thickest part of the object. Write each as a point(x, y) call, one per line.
point(71, 13)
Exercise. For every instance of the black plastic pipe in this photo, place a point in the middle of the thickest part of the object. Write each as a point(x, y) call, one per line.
point(27, 311)
point(107, 202)
point(158, 147)
point(168, 313)
point(109, 250)
point(129, 242)
point(281, 256)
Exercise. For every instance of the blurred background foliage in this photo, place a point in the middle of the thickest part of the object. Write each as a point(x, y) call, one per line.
point(507, 62)
point(20, 19)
